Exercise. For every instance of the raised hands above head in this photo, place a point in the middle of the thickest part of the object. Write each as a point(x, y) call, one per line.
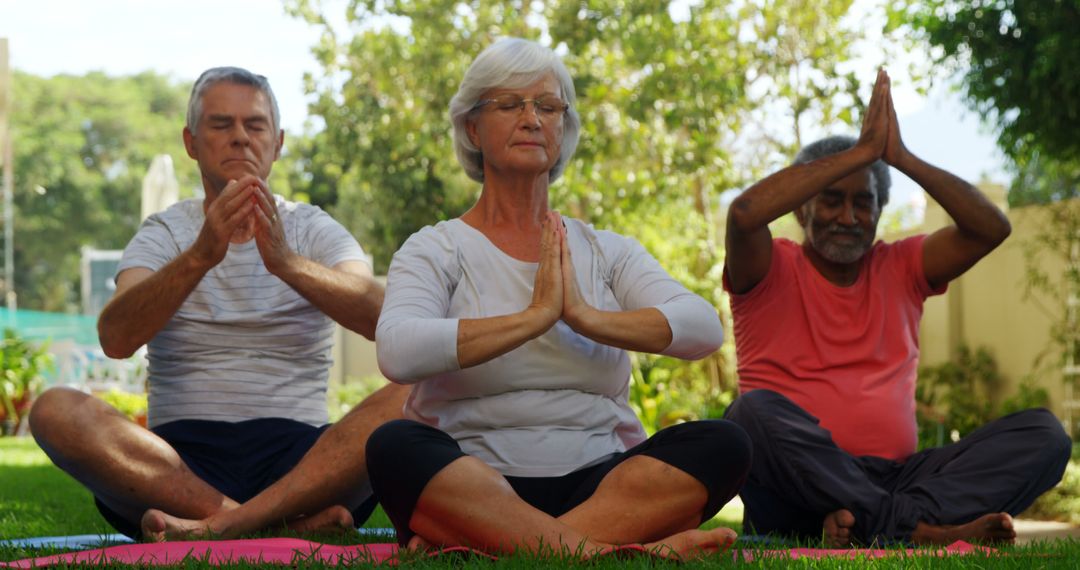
point(874, 136)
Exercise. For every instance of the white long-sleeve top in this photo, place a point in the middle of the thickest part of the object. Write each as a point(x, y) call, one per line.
point(557, 403)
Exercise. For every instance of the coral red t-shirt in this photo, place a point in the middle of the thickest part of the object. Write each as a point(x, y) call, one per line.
point(847, 355)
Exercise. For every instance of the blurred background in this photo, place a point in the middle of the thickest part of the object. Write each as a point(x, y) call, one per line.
point(684, 104)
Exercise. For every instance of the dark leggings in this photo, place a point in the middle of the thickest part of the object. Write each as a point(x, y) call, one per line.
point(404, 455)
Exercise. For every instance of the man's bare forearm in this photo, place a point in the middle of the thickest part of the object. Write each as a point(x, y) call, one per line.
point(787, 189)
point(975, 216)
point(136, 313)
point(351, 299)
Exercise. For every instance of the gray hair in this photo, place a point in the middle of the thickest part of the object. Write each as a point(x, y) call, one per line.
point(511, 63)
point(237, 75)
point(880, 180)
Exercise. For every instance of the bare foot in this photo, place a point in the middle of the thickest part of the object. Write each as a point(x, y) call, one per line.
point(837, 527)
point(994, 527)
point(693, 543)
point(419, 543)
point(158, 526)
point(335, 519)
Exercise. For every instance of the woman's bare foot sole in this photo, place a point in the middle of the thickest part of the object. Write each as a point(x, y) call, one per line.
point(693, 543)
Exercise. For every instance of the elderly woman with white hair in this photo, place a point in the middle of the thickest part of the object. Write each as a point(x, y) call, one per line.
point(512, 325)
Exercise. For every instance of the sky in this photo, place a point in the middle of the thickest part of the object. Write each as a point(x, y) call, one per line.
point(184, 37)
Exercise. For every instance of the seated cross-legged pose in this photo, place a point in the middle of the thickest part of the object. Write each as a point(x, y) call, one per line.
point(235, 296)
point(826, 334)
point(512, 325)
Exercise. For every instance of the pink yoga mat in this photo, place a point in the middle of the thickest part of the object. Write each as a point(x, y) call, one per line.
point(289, 551)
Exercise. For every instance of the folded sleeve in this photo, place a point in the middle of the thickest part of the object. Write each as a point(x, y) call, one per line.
point(415, 339)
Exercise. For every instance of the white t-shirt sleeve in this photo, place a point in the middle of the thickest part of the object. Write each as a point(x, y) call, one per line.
point(153, 247)
point(638, 281)
point(414, 338)
point(326, 241)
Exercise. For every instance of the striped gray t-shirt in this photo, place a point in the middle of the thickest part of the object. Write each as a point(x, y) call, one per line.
point(244, 344)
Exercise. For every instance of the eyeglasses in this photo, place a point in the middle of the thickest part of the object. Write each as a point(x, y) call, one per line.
point(546, 106)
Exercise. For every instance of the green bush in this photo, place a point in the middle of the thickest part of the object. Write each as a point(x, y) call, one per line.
point(1062, 503)
point(131, 405)
point(957, 397)
point(22, 365)
point(344, 396)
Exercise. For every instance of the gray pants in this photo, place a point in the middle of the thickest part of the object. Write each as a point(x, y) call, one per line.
point(799, 474)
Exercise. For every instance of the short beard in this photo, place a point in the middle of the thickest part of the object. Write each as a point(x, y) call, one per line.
point(834, 252)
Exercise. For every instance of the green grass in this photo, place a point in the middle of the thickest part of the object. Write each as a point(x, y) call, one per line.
point(37, 499)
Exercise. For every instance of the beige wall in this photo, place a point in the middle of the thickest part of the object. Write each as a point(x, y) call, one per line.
point(986, 308)
point(354, 357)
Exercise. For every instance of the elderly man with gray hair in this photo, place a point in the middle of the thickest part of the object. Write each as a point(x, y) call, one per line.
point(235, 296)
point(826, 334)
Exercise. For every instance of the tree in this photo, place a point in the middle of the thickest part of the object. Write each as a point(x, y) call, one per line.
point(82, 145)
point(1017, 60)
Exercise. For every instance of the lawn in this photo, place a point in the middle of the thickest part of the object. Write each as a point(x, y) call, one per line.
point(37, 499)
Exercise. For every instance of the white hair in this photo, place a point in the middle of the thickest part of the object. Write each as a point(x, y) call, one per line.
point(511, 63)
point(237, 75)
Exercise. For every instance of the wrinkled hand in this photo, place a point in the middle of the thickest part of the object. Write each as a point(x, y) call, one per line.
point(270, 232)
point(575, 308)
point(227, 215)
point(547, 300)
point(875, 127)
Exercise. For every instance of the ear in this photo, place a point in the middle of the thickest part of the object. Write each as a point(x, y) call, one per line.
point(189, 144)
point(472, 132)
point(801, 213)
point(280, 144)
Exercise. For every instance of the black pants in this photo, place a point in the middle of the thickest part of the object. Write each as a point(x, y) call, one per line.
point(403, 456)
point(799, 474)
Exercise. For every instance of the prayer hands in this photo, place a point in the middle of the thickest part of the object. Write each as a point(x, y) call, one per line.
point(556, 294)
point(875, 127)
point(270, 232)
point(228, 218)
point(547, 301)
point(881, 129)
point(244, 209)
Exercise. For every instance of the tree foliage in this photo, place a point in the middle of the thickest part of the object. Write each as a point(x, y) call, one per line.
point(82, 145)
point(1018, 61)
point(663, 101)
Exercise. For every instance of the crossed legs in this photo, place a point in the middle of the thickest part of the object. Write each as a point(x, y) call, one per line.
point(801, 480)
point(639, 499)
point(140, 477)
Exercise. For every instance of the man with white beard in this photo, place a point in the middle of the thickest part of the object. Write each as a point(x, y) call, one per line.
point(826, 334)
